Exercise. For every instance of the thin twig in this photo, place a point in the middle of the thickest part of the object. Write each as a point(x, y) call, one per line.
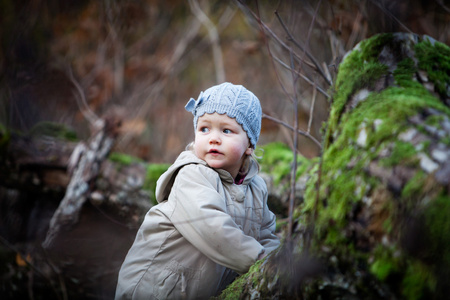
point(441, 3)
point(309, 81)
point(118, 59)
point(306, 134)
point(81, 101)
point(214, 38)
point(315, 208)
point(32, 266)
point(388, 13)
point(311, 110)
point(294, 150)
point(299, 131)
point(57, 271)
point(266, 29)
point(305, 51)
point(258, 19)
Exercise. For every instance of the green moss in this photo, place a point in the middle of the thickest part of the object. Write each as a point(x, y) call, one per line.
point(334, 236)
point(435, 120)
point(360, 69)
point(51, 129)
point(414, 185)
point(392, 107)
point(420, 274)
point(372, 47)
point(382, 268)
point(418, 282)
point(386, 263)
point(365, 75)
point(437, 222)
point(435, 60)
point(124, 159)
point(404, 72)
point(277, 161)
point(402, 153)
point(280, 223)
point(154, 171)
point(234, 290)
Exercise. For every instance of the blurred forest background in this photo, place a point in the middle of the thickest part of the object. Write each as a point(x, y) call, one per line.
point(70, 61)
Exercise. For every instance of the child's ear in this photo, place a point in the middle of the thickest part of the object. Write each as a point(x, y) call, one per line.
point(249, 150)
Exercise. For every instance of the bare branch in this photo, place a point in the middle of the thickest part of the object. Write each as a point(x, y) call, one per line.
point(214, 38)
point(118, 60)
point(30, 263)
point(81, 101)
point(295, 146)
point(311, 110)
point(272, 56)
point(301, 132)
point(309, 81)
point(388, 13)
point(305, 51)
point(181, 64)
point(441, 3)
point(312, 223)
point(265, 29)
point(187, 37)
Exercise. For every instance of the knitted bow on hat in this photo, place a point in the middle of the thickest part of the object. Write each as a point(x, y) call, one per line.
point(192, 104)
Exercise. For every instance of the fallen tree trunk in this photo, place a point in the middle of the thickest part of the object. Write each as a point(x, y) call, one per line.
point(374, 222)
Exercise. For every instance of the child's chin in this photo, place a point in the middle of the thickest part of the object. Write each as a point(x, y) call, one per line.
point(214, 164)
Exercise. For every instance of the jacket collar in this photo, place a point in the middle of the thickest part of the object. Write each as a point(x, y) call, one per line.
point(187, 157)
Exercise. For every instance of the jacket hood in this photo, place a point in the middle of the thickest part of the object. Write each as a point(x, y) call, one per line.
point(165, 182)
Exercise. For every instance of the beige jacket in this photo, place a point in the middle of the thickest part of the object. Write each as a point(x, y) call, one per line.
point(204, 227)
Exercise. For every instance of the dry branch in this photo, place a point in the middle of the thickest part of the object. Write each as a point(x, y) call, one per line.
point(214, 39)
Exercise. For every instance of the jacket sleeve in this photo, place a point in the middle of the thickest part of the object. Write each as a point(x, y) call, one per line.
point(200, 216)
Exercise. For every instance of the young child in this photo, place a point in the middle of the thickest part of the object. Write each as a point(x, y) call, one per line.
point(212, 220)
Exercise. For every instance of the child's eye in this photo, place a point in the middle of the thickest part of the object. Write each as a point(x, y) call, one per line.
point(227, 131)
point(204, 129)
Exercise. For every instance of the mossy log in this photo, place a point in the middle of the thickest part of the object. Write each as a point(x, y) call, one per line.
point(374, 223)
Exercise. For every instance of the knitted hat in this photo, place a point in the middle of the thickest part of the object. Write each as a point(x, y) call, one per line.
point(235, 101)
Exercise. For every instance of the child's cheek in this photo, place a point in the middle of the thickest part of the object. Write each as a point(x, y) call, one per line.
point(237, 151)
point(196, 147)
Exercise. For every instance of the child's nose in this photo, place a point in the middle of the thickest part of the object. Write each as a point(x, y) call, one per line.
point(214, 138)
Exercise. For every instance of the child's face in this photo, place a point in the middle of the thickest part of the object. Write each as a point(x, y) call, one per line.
point(221, 142)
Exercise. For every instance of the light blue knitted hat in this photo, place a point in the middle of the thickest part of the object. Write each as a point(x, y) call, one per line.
point(235, 101)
